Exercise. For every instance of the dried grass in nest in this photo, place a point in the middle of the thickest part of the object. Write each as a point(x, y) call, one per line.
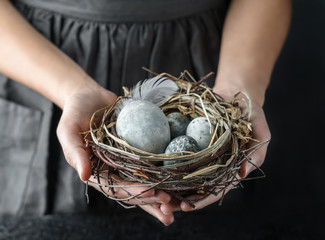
point(209, 171)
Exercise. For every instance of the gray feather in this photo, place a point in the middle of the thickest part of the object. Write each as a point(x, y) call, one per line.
point(153, 90)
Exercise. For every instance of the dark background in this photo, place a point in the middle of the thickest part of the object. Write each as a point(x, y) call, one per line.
point(287, 204)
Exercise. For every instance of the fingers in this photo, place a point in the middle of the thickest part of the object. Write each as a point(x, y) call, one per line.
point(122, 189)
point(159, 197)
point(73, 148)
point(172, 206)
point(166, 219)
point(203, 203)
point(125, 189)
point(150, 201)
point(262, 133)
point(149, 197)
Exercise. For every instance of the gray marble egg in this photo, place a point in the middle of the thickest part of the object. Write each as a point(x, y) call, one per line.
point(199, 129)
point(144, 126)
point(181, 143)
point(178, 124)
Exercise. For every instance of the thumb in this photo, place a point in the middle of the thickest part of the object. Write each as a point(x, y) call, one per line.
point(73, 148)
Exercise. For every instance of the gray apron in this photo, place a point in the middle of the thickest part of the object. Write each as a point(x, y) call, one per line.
point(111, 40)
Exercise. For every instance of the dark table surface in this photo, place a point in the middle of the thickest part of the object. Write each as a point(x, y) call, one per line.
point(287, 204)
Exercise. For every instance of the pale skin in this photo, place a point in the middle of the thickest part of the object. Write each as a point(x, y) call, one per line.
point(253, 35)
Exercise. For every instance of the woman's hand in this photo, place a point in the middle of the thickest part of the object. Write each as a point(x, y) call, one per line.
point(78, 108)
point(251, 42)
point(150, 200)
point(260, 132)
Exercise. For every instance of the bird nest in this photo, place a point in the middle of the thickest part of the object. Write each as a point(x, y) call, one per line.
point(210, 171)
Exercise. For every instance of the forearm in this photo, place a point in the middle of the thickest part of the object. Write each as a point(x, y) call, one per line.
point(29, 58)
point(253, 35)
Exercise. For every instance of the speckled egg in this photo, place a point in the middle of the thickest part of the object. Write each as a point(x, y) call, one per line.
point(199, 129)
point(144, 126)
point(178, 124)
point(181, 143)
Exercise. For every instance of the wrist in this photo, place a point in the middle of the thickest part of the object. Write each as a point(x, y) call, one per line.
point(254, 88)
point(83, 85)
point(67, 85)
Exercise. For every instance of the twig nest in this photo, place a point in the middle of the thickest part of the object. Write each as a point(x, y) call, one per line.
point(133, 144)
point(144, 126)
point(200, 129)
point(178, 123)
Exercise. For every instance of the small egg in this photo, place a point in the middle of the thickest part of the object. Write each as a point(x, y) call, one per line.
point(144, 126)
point(199, 129)
point(178, 123)
point(181, 143)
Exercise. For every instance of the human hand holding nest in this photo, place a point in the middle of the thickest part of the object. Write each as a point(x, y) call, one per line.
point(117, 165)
point(77, 111)
point(248, 52)
point(260, 133)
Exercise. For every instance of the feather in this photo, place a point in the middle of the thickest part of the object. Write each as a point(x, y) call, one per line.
point(153, 90)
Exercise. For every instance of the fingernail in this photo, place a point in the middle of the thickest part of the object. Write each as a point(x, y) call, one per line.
point(164, 212)
point(78, 170)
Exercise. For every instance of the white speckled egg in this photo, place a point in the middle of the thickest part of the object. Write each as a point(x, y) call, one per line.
point(144, 126)
point(199, 129)
point(181, 143)
point(178, 123)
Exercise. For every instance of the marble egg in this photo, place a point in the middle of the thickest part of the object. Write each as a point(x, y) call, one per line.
point(144, 126)
point(199, 129)
point(178, 124)
point(181, 143)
